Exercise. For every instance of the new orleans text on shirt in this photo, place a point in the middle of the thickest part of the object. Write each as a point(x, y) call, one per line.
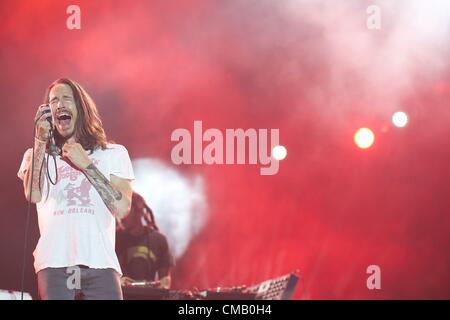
point(73, 191)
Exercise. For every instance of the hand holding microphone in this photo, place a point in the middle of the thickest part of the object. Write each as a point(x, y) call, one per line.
point(45, 128)
point(44, 125)
point(43, 122)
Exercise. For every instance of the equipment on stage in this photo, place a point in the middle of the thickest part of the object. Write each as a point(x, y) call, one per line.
point(227, 294)
point(14, 295)
point(145, 290)
point(280, 288)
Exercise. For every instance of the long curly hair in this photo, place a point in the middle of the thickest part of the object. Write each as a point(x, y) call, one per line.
point(140, 218)
point(140, 208)
point(89, 130)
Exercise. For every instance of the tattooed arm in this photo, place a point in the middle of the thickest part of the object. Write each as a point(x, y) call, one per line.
point(42, 130)
point(39, 152)
point(116, 194)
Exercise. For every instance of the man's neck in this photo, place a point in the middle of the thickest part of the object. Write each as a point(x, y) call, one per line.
point(63, 140)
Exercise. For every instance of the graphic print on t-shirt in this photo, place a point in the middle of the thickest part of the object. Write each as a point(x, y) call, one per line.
point(74, 190)
point(78, 196)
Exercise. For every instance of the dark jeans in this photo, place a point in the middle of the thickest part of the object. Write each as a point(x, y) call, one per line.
point(73, 282)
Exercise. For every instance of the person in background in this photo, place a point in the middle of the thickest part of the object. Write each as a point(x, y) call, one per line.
point(143, 250)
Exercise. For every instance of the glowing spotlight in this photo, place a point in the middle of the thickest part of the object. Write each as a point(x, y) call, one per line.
point(400, 119)
point(279, 152)
point(364, 138)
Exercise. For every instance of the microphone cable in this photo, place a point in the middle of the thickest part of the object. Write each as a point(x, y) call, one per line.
point(30, 192)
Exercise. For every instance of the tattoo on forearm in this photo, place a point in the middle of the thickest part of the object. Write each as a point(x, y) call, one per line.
point(39, 153)
point(103, 186)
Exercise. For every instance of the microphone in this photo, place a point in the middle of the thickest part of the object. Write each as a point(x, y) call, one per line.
point(52, 148)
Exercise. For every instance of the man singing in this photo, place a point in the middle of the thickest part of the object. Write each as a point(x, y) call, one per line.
point(77, 215)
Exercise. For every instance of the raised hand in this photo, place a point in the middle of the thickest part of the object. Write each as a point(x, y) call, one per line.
point(76, 154)
point(42, 125)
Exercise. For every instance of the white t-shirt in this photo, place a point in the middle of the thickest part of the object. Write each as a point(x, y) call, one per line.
point(75, 225)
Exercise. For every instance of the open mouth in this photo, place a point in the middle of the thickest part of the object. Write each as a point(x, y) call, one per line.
point(64, 120)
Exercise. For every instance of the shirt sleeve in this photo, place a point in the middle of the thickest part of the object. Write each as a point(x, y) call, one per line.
point(121, 164)
point(25, 163)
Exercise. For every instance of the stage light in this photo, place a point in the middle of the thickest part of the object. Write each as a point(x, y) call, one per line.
point(279, 152)
point(364, 138)
point(400, 119)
